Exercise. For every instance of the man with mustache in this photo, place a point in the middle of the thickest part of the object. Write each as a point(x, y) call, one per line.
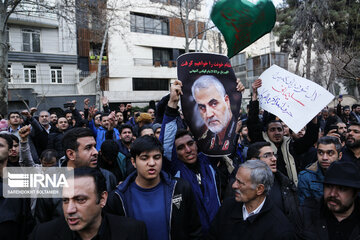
point(283, 191)
point(337, 214)
point(328, 151)
point(251, 214)
point(82, 204)
point(351, 151)
point(214, 107)
point(80, 151)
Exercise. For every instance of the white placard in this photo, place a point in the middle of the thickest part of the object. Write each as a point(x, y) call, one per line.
point(295, 100)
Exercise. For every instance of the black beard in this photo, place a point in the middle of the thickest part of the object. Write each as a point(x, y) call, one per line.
point(354, 144)
point(342, 209)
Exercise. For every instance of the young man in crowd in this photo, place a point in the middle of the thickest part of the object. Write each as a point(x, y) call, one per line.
point(286, 148)
point(100, 132)
point(165, 204)
point(146, 130)
point(14, 122)
point(53, 119)
point(82, 204)
point(126, 138)
point(13, 160)
point(157, 129)
point(351, 151)
point(55, 138)
point(16, 221)
point(185, 162)
point(328, 151)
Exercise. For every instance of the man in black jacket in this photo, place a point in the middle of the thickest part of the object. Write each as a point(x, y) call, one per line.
point(16, 220)
point(337, 215)
point(55, 138)
point(166, 205)
point(251, 215)
point(83, 201)
point(351, 151)
point(79, 145)
point(283, 192)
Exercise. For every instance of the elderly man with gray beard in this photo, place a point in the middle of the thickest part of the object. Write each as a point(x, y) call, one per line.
point(251, 214)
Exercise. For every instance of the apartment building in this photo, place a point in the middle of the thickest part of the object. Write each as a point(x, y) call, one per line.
point(42, 61)
point(142, 52)
point(250, 63)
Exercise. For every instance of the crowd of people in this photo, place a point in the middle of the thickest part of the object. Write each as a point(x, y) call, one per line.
point(141, 175)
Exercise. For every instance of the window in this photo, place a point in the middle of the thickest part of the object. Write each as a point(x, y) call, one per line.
point(238, 60)
point(56, 74)
point(9, 73)
point(152, 84)
point(7, 35)
point(31, 40)
point(192, 4)
point(29, 74)
point(162, 56)
point(149, 24)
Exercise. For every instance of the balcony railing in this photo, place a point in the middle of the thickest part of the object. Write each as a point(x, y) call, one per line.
point(151, 62)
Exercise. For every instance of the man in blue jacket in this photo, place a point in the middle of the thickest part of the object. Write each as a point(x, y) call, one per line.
point(100, 133)
point(185, 162)
point(328, 151)
point(165, 204)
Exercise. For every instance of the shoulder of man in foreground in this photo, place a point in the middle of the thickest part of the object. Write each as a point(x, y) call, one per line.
point(270, 221)
point(120, 228)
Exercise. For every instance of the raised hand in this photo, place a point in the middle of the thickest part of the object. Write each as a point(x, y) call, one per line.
point(24, 132)
point(175, 93)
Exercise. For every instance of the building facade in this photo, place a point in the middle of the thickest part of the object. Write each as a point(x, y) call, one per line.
point(143, 50)
point(42, 61)
point(250, 63)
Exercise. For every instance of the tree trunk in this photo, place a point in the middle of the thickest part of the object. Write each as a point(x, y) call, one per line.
point(98, 75)
point(298, 59)
point(308, 54)
point(3, 63)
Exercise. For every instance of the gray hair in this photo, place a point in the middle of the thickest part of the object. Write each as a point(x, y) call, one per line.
point(260, 174)
point(204, 82)
point(44, 111)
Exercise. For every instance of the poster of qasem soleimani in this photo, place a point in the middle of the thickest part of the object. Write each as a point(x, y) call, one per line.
point(210, 102)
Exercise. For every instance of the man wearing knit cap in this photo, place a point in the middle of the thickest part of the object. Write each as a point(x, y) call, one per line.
point(157, 129)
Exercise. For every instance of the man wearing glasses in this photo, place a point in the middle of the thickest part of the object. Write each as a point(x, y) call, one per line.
point(328, 151)
point(283, 192)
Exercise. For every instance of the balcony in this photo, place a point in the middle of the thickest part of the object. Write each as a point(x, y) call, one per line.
point(150, 62)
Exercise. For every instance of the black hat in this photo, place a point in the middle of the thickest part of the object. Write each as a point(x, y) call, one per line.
point(343, 173)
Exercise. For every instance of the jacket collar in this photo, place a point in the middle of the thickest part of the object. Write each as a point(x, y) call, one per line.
point(165, 178)
point(238, 215)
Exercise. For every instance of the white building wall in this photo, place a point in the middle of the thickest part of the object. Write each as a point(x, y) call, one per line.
point(49, 41)
point(131, 55)
point(56, 38)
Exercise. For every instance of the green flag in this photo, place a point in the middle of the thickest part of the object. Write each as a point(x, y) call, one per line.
point(243, 22)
